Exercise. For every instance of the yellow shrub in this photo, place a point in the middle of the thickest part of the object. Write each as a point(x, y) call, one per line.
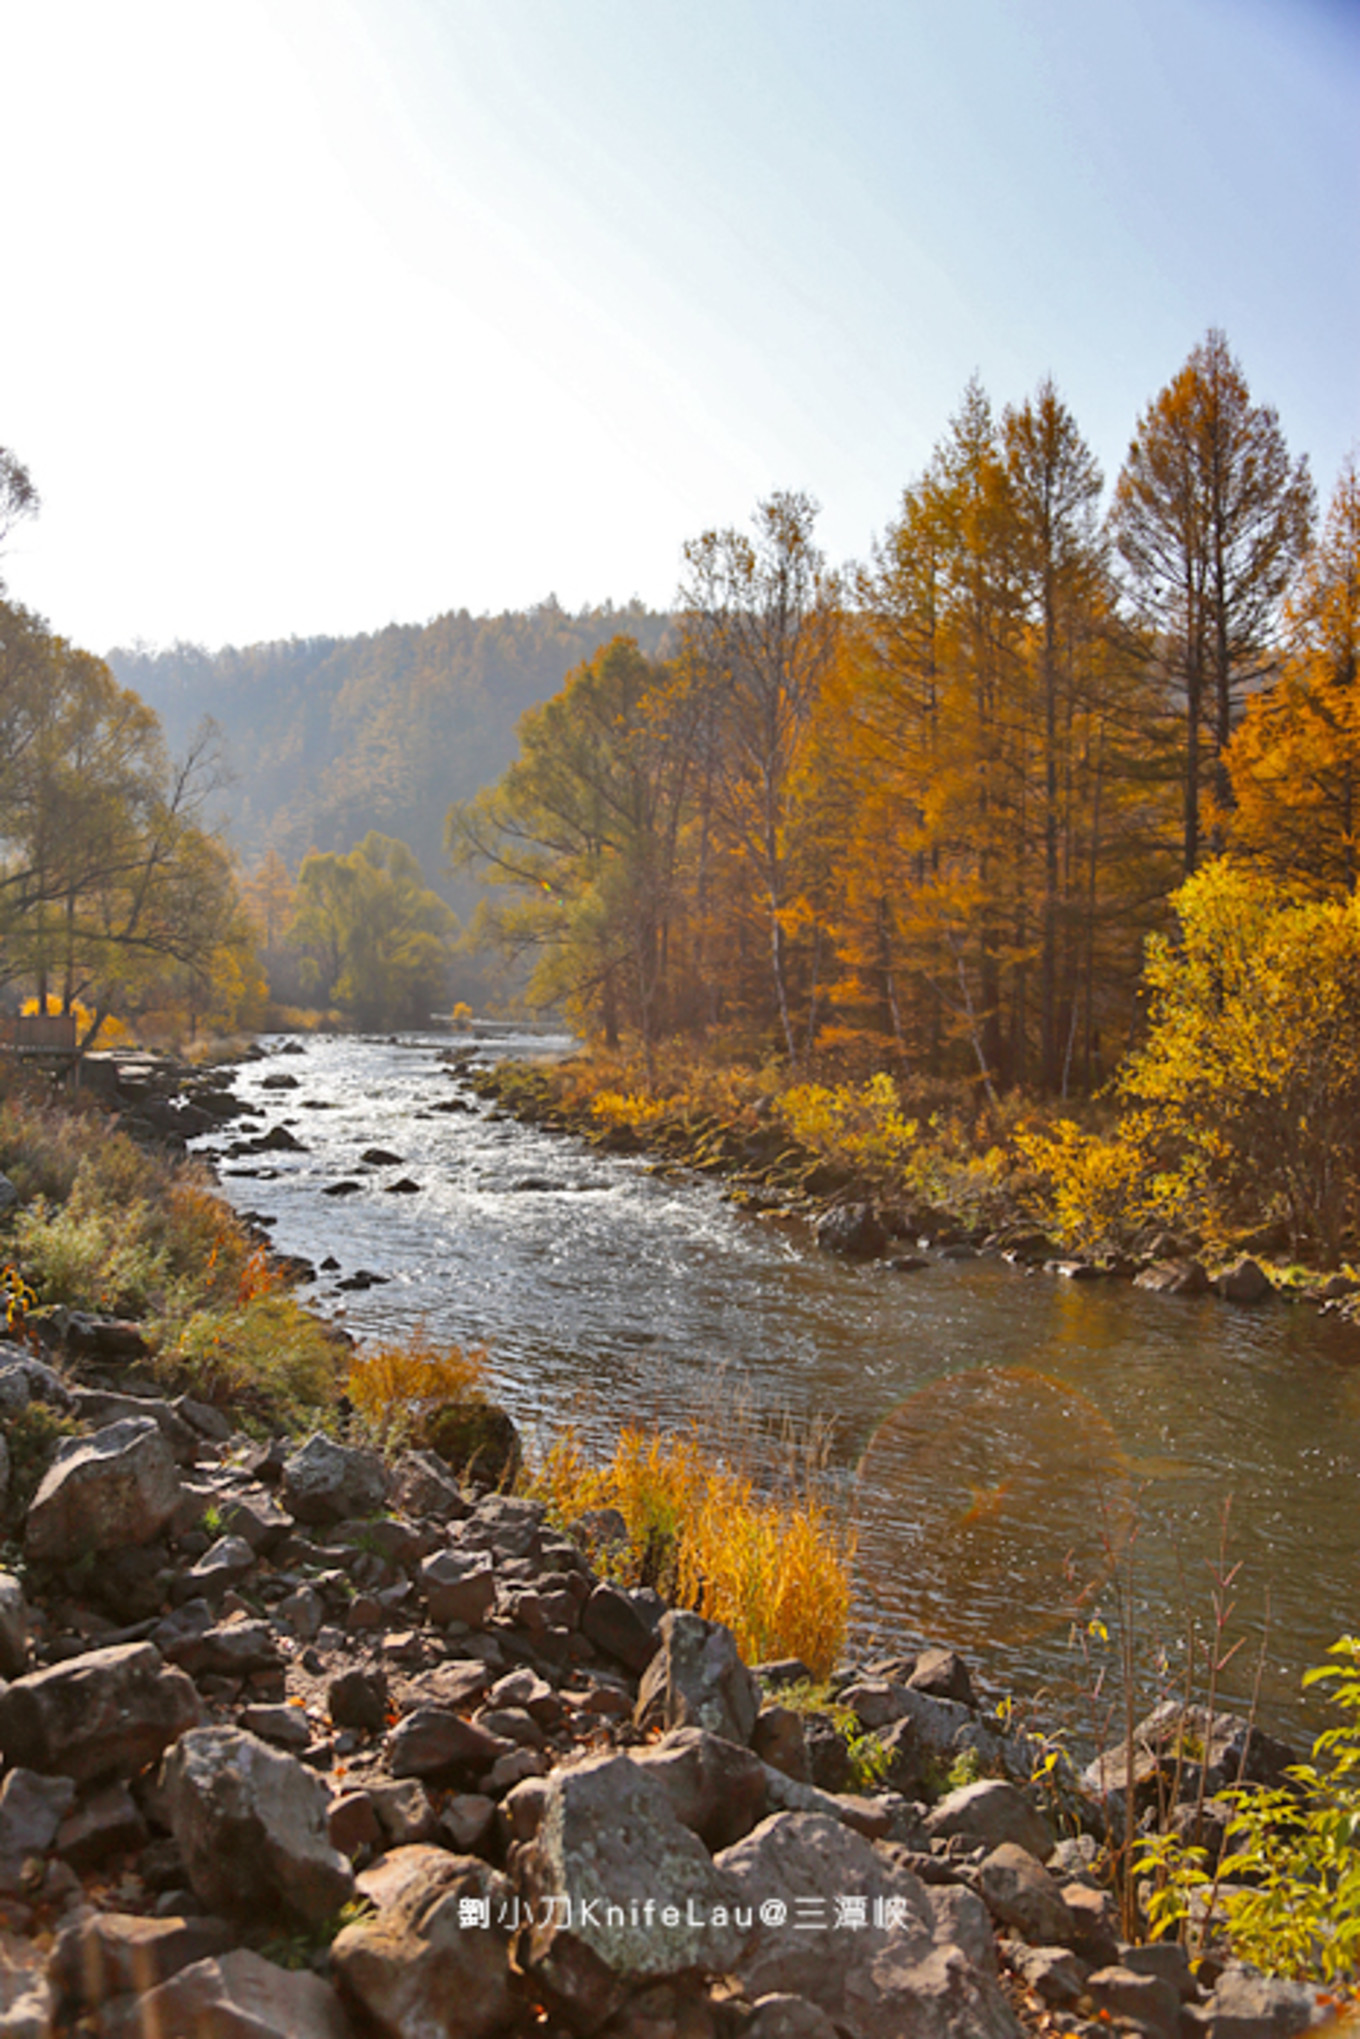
point(775, 1571)
point(392, 1386)
point(1098, 1185)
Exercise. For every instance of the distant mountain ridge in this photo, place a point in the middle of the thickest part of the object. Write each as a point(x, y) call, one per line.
point(327, 737)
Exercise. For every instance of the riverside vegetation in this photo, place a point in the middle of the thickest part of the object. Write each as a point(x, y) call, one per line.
point(298, 1702)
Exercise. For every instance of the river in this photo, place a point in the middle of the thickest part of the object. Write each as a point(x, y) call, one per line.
point(998, 1436)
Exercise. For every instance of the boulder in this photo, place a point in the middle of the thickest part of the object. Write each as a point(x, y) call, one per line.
point(108, 1822)
point(1174, 1278)
point(100, 1406)
point(424, 1487)
point(32, 1809)
point(256, 1517)
point(103, 1493)
point(237, 1996)
point(780, 2016)
point(432, 1743)
point(228, 1649)
point(436, 1961)
point(105, 1714)
point(458, 1586)
point(358, 1699)
point(621, 1894)
point(992, 1811)
point(1248, 2005)
point(108, 1954)
point(613, 1621)
point(1246, 1282)
point(852, 1230)
point(1020, 1893)
point(697, 1679)
point(778, 1738)
point(716, 1788)
point(251, 1826)
point(326, 1482)
point(13, 1626)
point(1150, 2002)
point(854, 1932)
point(476, 1439)
point(943, 1674)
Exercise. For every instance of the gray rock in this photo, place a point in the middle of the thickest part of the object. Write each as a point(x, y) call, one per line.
point(1020, 1892)
point(32, 1809)
point(1174, 1278)
point(237, 1996)
point(256, 1517)
point(1055, 1973)
point(1246, 1282)
point(304, 1611)
point(285, 1726)
point(943, 1674)
point(1166, 1958)
point(992, 1811)
point(13, 1626)
point(358, 1699)
point(105, 1492)
point(108, 1822)
point(614, 1622)
point(917, 1964)
point(9, 1195)
point(109, 1954)
point(328, 1482)
point(1124, 1993)
point(424, 1486)
point(404, 1811)
point(209, 1422)
point(432, 1742)
point(780, 2016)
point(24, 1379)
point(223, 1564)
point(105, 1714)
point(697, 1679)
point(100, 1407)
point(417, 1971)
point(250, 1823)
point(647, 1902)
point(469, 1816)
point(1248, 2005)
point(716, 1788)
point(458, 1586)
point(778, 1739)
point(852, 1230)
point(229, 1649)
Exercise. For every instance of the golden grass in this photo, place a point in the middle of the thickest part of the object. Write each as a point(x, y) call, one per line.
point(394, 1386)
point(775, 1569)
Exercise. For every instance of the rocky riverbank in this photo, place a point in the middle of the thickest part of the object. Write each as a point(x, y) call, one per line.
point(301, 1741)
point(768, 1174)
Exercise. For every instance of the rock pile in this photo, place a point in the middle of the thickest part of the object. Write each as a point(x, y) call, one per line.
point(297, 1741)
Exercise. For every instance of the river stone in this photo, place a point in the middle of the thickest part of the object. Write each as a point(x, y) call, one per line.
point(100, 1407)
point(609, 1842)
point(992, 1811)
point(13, 1625)
point(107, 1713)
point(943, 1674)
point(697, 1679)
point(928, 1973)
point(1174, 1278)
point(236, 1996)
point(852, 1230)
point(250, 1823)
point(716, 1788)
point(417, 1969)
point(103, 1493)
point(1246, 1282)
point(325, 1482)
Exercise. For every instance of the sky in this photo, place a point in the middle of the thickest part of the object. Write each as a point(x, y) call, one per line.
point(323, 314)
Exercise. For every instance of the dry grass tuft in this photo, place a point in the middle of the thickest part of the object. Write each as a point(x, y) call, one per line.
point(394, 1387)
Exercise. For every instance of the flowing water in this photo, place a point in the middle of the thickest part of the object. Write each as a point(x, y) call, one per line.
point(995, 1434)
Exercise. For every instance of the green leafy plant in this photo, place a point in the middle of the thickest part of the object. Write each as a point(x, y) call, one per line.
point(1292, 1853)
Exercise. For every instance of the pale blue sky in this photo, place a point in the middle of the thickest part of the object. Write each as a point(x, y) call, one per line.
point(325, 313)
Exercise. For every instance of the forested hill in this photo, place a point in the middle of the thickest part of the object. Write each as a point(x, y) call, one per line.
point(327, 737)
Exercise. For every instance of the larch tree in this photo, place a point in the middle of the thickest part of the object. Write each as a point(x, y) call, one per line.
point(1211, 517)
